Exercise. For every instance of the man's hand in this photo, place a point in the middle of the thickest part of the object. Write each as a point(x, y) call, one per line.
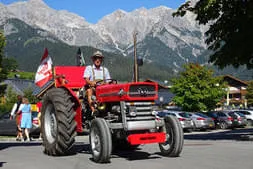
point(93, 83)
point(11, 117)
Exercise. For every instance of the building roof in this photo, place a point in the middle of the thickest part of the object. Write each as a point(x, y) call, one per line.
point(233, 81)
point(160, 84)
point(20, 85)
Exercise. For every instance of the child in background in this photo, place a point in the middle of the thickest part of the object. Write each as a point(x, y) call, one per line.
point(26, 119)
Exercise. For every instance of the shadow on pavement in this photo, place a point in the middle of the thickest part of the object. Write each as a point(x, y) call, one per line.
point(237, 134)
point(130, 155)
point(79, 147)
point(2, 163)
point(4, 145)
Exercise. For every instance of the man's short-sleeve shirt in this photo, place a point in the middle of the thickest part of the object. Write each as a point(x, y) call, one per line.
point(98, 72)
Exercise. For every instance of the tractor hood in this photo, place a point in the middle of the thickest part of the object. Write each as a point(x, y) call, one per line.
point(134, 91)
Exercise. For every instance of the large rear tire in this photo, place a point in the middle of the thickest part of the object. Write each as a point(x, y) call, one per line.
point(173, 145)
point(100, 141)
point(58, 125)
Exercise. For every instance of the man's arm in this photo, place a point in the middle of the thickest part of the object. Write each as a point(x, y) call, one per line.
point(14, 107)
point(87, 76)
point(20, 108)
point(91, 83)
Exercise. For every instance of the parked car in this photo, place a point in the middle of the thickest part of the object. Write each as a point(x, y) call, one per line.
point(248, 114)
point(8, 127)
point(183, 118)
point(221, 119)
point(239, 119)
point(202, 121)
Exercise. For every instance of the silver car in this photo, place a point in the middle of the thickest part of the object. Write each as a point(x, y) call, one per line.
point(240, 119)
point(202, 121)
point(248, 114)
point(183, 117)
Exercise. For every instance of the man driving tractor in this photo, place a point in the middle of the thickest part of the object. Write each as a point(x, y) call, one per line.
point(93, 74)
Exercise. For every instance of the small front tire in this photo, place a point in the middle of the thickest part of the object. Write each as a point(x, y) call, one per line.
point(100, 141)
point(173, 145)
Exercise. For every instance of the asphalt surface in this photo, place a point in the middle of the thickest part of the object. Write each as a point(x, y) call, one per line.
point(222, 149)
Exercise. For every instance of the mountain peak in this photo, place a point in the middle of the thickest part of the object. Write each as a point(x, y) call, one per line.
point(117, 15)
point(40, 2)
point(30, 2)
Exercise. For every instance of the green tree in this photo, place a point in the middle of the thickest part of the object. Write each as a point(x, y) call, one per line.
point(28, 93)
point(196, 89)
point(3, 72)
point(11, 98)
point(249, 95)
point(10, 64)
point(230, 33)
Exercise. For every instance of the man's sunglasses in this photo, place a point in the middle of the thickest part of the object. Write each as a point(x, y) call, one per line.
point(95, 58)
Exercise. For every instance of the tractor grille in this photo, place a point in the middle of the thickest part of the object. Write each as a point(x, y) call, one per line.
point(142, 91)
point(139, 111)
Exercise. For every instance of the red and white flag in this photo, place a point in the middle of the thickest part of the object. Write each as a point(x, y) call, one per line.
point(44, 72)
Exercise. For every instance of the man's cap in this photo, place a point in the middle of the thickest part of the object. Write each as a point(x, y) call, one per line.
point(97, 54)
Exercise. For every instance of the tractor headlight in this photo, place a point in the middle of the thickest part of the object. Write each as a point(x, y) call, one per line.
point(154, 111)
point(132, 111)
point(101, 106)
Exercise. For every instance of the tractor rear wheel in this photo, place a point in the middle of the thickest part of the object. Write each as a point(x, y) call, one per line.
point(58, 125)
point(173, 145)
point(100, 140)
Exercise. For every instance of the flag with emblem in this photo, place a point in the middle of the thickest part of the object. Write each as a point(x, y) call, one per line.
point(44, 72)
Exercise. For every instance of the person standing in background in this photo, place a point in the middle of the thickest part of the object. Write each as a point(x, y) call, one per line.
point(17, 116)
point(26, 119)
point(39, 105)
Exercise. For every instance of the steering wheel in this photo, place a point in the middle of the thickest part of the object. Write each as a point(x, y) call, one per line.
point(106, 81)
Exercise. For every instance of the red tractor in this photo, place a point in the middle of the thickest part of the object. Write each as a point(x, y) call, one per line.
point(127, 116)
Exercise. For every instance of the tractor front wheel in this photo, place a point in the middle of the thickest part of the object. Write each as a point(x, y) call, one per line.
point(173, 144)
point(100, 140)
point(58, 125)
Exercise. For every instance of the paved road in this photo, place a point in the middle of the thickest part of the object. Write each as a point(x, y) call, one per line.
point(212, 150)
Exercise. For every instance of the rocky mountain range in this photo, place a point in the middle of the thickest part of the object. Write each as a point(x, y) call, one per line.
point(161, 38)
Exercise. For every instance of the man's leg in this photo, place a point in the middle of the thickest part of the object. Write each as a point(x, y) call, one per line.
point(89, 94)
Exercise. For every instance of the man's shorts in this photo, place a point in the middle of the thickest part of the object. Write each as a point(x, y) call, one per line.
point(18, 119)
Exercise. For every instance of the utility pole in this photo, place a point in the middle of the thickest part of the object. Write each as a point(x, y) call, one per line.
point(136, 76)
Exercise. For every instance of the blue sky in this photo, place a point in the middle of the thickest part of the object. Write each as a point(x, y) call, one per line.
point(93, 10)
